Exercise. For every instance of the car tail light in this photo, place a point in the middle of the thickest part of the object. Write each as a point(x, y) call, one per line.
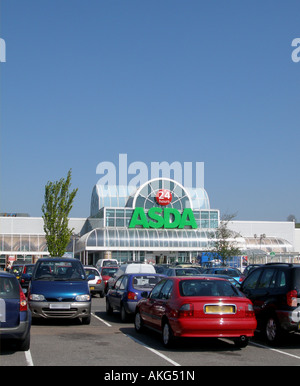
point(250, 311)
point(23, 301)
point(186, 310)
point(291, 298)
point(131, 296)
point(99, 281)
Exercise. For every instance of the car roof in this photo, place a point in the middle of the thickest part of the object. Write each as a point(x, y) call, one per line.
point(6, 274)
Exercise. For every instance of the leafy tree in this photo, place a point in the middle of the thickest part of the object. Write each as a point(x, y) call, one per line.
point(56, 208)
point(225, 244)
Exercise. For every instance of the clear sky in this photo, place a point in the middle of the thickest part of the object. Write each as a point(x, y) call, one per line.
point(208, 81)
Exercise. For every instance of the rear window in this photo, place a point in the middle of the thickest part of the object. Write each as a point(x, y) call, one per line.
point(145, 281)
point(208, 288)
point(9, 288)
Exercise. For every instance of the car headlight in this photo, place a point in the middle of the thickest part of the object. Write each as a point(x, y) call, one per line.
point(37, 297)
point(83, 298)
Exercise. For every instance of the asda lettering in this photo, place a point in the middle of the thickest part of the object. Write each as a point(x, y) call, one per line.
point(168, 218)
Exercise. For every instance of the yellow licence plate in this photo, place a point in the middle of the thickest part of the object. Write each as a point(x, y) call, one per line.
point(92, 288)
point(219, 309)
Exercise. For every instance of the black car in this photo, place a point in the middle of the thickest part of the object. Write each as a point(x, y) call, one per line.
point(274, 290)
point(250, 268)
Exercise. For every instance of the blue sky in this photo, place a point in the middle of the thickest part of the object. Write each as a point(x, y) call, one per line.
point(162, 80)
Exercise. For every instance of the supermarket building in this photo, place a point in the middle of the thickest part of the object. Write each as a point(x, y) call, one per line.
point(159, 222)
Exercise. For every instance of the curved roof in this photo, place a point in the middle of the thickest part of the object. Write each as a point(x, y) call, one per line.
point(144, 196)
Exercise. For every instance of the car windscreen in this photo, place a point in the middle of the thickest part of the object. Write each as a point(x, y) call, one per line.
point(9, 288)
point(59, 270)
point(207, 288)
point(108, 271)
point(145, 281)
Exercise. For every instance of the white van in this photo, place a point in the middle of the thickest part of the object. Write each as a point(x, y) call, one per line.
point(106, 263)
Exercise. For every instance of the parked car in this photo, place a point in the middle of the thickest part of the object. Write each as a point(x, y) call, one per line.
point(127, 292)
point(250, 268)
point(106, 263)
point(130, 268)
point(96, 285)
point(59, 289)
point(230, 278)
point(23, 272)
point(15, 316)
point(233, 272)
point(274, 290)
point(195, 306)
point(107, 273)
point(174, 271)
point(17, 270)
point(26, 275)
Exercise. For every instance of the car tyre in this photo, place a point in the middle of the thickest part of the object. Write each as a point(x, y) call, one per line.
point(109, 309)
point(138, 322)
point(24, 344)
point(272, 330)
point(241, 341)
point(102, 294)
point(124, 315)
point(167, 335)
point(86, 321)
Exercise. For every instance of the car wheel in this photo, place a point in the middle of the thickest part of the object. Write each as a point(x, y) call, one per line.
point(138, 322)
point(102, 294)
point(86, 320)
point(24, 344)
point(241, 342)
point(167, 335)
point(109, 309)
point(272, 330)
point(124, 315)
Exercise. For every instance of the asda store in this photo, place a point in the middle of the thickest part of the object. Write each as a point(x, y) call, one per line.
point(160, 222)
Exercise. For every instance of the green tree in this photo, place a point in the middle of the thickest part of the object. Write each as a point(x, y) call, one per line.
point(56, 208)
point(225, 243)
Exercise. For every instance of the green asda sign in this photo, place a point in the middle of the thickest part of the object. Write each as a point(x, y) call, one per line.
point(168, 218)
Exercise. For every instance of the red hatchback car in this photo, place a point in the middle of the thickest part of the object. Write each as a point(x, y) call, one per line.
point(193, 306)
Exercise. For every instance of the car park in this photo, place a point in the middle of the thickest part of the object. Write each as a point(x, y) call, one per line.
point(96, 285)
point(59, 289)
point(274, 290)
point(194, 306)
point(107, 273)
point(15, 316)
point(176, 271)
point(233, 272)
point(126, 292)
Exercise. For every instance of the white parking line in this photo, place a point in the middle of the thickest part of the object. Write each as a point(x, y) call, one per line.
point(28, 358)
point(274, 349)
point(101, 320)
point(154, 351)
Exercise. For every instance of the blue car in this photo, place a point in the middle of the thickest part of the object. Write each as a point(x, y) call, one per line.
point(15, 316)
point(59, 289)
point(126, 292)
point(233, 272)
